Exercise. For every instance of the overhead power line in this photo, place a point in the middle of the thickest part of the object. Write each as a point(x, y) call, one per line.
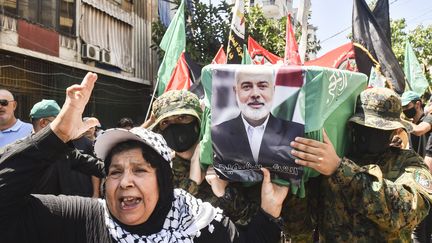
point(347, 28)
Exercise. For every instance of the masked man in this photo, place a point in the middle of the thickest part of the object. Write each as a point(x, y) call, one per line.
point(176, 116)
point(422, 144)
point(377, 193)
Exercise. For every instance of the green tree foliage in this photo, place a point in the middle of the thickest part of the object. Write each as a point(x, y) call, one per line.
point(207, 28)
point(271, 33)
point(420, 38)
point(398, 37)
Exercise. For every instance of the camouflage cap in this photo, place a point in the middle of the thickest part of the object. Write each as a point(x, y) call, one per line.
point(175, 102)
point(381, 109)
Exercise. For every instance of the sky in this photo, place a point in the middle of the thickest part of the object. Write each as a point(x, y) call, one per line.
point(334, 16)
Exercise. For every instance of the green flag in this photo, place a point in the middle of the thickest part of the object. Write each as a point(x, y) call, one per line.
point(413, 71)
point(206, 150)
point(173, 43)
point(376, 79)
point(246, 57)
point(330, 100)
point(319, 98)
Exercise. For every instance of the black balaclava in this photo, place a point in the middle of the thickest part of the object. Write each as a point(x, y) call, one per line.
point(368, 140)
point(181, 137)
point(410, 113)
point(164, 175)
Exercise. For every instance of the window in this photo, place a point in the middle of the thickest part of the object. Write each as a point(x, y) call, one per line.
point(10, 7)
point(56, 14)
point(48, 12)
point(28, 9)
point(67, 17)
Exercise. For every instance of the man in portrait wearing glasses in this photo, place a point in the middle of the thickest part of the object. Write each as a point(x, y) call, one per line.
point(11, 128)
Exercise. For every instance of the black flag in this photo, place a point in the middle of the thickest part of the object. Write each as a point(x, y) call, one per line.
point(237, 34)
point(195, 73)
point(382, 16)
point(371, 44)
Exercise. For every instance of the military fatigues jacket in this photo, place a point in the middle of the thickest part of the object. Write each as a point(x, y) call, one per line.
point(181, 168)
point(375, 199)
point(241, 203)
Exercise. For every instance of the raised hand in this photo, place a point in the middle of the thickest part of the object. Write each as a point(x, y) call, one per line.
point(272, 195)
point(68, 125)
point(149, 121)
point(320, 156)
point(400, 139)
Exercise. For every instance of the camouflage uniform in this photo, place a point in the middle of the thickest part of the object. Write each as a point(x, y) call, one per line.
point(377, 198)
point(239, 203)
point(182, 102)
point(180, 168)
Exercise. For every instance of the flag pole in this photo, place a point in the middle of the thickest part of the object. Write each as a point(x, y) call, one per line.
point(151, 100)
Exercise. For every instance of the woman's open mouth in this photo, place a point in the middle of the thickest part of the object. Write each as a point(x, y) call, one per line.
point(127, 203)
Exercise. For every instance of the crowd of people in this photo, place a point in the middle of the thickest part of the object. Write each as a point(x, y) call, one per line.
point(79, 173)
point(146, 183)
point(140, 202)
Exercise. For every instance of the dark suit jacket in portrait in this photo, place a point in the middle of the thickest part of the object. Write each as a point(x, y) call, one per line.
point(233, 156)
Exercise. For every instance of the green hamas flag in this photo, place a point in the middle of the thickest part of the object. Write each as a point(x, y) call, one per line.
point(330, 99)
point(413, 71)
point(306, 99)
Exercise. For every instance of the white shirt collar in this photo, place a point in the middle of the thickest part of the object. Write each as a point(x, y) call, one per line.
point(255, 136)
point(262, 126)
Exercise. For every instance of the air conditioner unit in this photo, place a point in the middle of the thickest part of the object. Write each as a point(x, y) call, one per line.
point(106, 57)
point(89, 51)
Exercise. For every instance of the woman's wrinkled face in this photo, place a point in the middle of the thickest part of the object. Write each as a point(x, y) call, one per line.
point(131, 187)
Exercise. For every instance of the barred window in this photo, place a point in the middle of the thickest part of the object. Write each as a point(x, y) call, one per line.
point(55, 14)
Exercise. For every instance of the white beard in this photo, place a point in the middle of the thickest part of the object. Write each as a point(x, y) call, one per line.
point(254, 114)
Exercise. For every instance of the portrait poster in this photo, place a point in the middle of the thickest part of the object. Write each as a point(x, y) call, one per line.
point(257, 110)
point(246, 135)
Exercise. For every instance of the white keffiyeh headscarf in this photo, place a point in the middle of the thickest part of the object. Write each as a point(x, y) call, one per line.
point(187, 217)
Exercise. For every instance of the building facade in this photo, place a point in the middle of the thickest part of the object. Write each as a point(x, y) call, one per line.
point(47, 45)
